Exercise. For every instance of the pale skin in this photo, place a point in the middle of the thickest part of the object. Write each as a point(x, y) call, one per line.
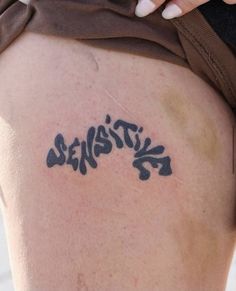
point(173, 9)
point(108, 230)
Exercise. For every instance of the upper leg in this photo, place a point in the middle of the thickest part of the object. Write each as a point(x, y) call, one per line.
point(109, 226)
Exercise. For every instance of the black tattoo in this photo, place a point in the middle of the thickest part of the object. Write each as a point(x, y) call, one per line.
point(99, 141)
point(52, 158)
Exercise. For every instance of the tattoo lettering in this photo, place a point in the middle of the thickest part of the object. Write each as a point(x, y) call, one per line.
point(101, 140)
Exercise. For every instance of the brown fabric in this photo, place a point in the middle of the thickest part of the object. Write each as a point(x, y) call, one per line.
point(188, 41)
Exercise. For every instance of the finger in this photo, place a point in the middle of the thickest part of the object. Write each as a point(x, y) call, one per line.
point(177, 8)
point(145, 7)
point(231, 2)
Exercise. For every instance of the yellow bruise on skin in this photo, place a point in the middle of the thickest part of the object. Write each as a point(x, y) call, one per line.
point(194, 125)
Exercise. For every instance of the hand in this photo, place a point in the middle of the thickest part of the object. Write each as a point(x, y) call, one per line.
point(174, 8)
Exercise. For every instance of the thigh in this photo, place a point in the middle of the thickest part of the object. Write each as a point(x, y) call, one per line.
point(116, 171)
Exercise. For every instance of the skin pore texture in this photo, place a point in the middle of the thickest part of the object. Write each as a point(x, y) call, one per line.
point(72, 226)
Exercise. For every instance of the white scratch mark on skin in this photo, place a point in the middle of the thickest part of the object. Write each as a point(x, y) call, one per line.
point(121, 106)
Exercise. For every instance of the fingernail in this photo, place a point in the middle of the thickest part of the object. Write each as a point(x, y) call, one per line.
point(144, 7)
point(25, 1)
point(171, 11)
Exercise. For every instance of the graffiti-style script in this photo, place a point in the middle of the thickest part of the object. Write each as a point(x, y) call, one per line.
point(100, 140)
